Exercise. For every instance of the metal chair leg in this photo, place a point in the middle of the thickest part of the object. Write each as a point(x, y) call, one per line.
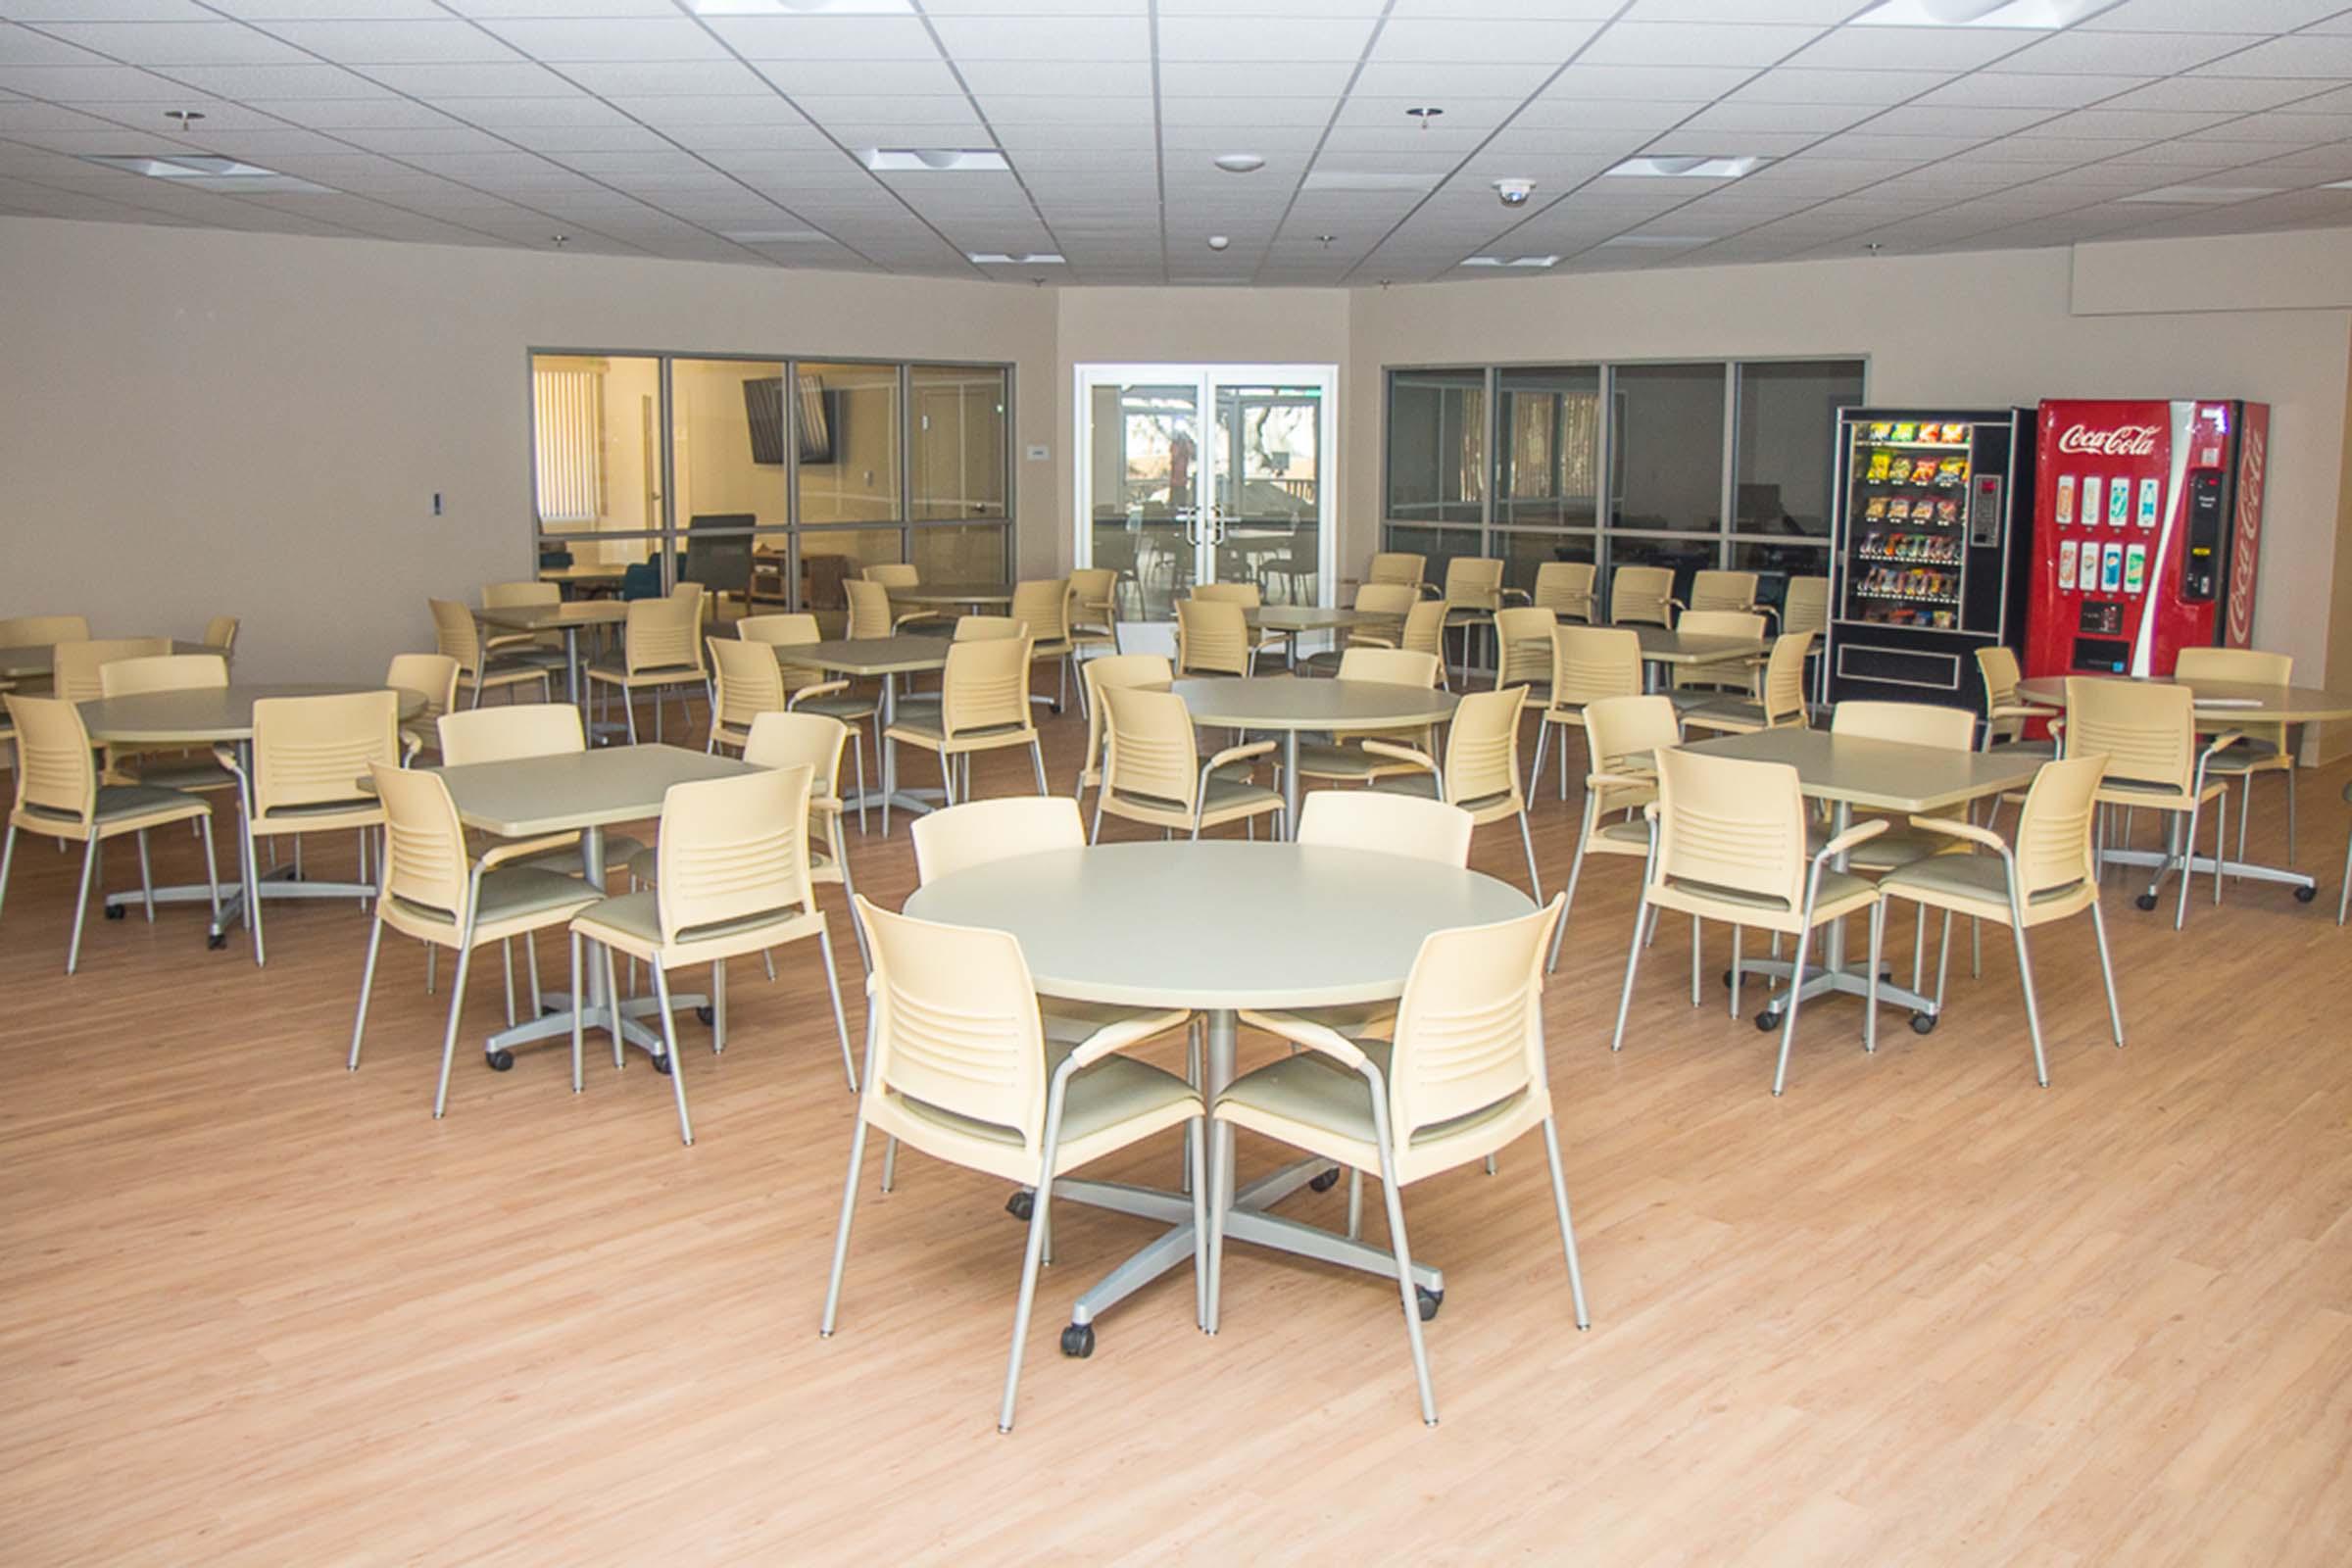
point(841, 1231)
point(81, 904)
point(146, 876)
point(2115, 1012)
point(613, 1007)
point(1560, 1200)
point(359, 1025)
point(2025, 980)
point(449, 1038)
point(841, 1027)
point(1040, 1211)
point(1404, 1259)
point(1527, 842)
point(1797, 992)
point(1869, 1003)
point(577, 1029)
point(669, 1048)
point(1632, 961)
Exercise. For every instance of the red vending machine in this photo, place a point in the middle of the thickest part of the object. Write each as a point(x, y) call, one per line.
point(2149, 531)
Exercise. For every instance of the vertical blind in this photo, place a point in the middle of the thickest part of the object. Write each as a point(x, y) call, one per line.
point(571, 422)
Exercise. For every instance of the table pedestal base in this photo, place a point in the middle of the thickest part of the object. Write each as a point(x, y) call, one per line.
point(554, 1021)
point(2305, 888)
point(1824, 979)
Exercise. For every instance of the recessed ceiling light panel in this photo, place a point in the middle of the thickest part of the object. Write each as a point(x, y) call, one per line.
point(1530, 262)
point(1002, 259)
point(934, 159)
point(801, 7)
point(203, 171)
point(2041, 15)
point(1687, 167)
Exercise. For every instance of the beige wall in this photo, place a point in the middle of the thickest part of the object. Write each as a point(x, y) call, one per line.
point(195, 423)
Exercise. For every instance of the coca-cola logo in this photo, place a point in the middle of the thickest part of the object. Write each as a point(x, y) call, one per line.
point(2126, 441)
point(2246, 537)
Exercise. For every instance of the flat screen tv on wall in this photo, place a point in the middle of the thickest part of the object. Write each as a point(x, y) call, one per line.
point(819, 421)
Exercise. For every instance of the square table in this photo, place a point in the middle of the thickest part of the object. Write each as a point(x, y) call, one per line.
point(1661, 647)
point(951, 595)
point(1289, 620)
point(882, 659)
point(570, 619)
point(1892, 777)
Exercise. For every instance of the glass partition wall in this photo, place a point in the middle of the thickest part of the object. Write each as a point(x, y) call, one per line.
point(766, 481)
point(1710, 463)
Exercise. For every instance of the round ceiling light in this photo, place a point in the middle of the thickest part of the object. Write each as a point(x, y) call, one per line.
point(1239, 163)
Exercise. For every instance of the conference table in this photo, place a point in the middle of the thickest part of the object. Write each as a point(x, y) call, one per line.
point(1289, 706)
point(1217, 925)
point(882, 659)
point(569, 617)
point(2219, 706)
point(211, 715)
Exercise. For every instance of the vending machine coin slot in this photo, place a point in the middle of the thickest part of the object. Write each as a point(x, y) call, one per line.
point(2200, 567)
point(1985, 512)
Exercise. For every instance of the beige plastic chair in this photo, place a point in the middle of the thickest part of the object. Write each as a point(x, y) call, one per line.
point(75, 667)
point(733, 879)
point(959, 1067)
point(309, 757)
point(436, 891)
point(58, 796)
point(165, 768)
point(1722, 590)
point(1524, 636)
point(433, 677)
point(1624, 735)
point(1043, 605)
point(983, 707)
point(1424, 632)
point(1951, 730)
point(1093, 610)
point(1248, 594)
point(2050, 874)
point(33, 631)
point(808, 691)
point(1398, 566)
point(1096, 676)
point(1212, 637)
point(1784, 694)
point(1643, 596)
point(661, 651)
point(222, 632)
point(747, 682)
point(1565, 588)
point(1391, 599)
point(511, 733)
point(1152, 772)
point(1738, 676)
point(1805, 606)
point(871, 613)
point(1464, 1078)
point(1343, 756)
point(2006, 715)
point(1590, 665)
point(2265, 748)
point(890, 576)
point(537, 647)
point(456, 636)
point(989, 628)
point(2148, 735)
point(1731, 846)
point(1474, 592)
point(1481, 775)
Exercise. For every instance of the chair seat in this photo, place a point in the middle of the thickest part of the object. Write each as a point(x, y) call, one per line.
point(1630, 836)
point(1313, 1090)
point(1898, 846)
point(929, 730)
point(1329, 760)
point(1839, 892)
point(620, 850)
point(849, 709)
point(2048, 750)
point(119, 805)
point(1697, 708)
point(2248, 755)
point(1973, 884)
point(1358, 1020)
point(1116, 1090)
point(637, 916)
point(189, 773)
point(505, 672)
point(512, 893)
point(618, 670)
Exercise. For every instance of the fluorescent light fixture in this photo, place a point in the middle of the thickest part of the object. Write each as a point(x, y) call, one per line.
point(934, 159)
point(1514, 261)
point(2201, 195)
point(2041, 15)
point(203, 171)
point(801, 7)
point(1686, 167)
point(1033, 259)
point(1659, 241)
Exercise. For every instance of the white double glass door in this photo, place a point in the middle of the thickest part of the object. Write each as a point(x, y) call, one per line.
point(1191, 474)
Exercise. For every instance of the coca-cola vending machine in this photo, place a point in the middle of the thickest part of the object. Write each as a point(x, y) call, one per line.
point(2148, 529)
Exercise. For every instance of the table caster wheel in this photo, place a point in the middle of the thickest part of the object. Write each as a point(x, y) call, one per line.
point(1325, 1182)
point(1078, 1339)
point(706, 1015)
point(1924, 1023)
point(1766, 1021)
point(1021, 1205)
point(500, 1061)
point(117, 911)
point(1429, 1301)
point(2306, 895)
point(216, 940)
point(2146, 900)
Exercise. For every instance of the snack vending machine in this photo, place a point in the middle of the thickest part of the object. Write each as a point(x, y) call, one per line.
point(1933, 509)
point(2149, 519)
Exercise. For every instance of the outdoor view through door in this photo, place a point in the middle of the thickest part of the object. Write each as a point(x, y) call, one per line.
point(1205, 474)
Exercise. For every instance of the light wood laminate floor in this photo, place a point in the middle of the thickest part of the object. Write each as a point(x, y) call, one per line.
point(259, 1310)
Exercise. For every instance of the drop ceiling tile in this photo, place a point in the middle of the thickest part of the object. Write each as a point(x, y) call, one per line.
point(398, 141)
point(2310, 55)
point(744, 111)
point(1263, 38)
point(2126, 125)
point(395, 43)
point(1006, 111)
point(105, 11)
point(634, 38)
point(1690, 43)
point(1244, 113)
point(1441, 80)
point(1916, 48)
point(1195, 79)
point(1817, 13)
point(268, 84)
point(179, 43)
point(22, 46)
point(1470, 39)
point(913, 116)
point(692, 78)
point(867, 78)
point(355, 114)
point(1044, 38)
point(899, 131)
point(2135, 54)
point(2199, 16)
point(75, 85)
point(463, 80)
point(1738, 119)
point(2018, 89)
point(1583, 82)
point(494, 9)
point(585, 138)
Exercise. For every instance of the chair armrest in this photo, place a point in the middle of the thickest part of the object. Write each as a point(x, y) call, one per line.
point(1124, 1033)
point(823, 688)
point(226, 757)
point(1236, 753)
point(2223, 742)
point(410, 746)
point(1620, 781)
point(1519, 594)
point(1360, 639)
point(1430, 590)
point(499, 854)
point(1316, 1037)
point(1402, 753)
point(2022, 710)
point(1953, 827)
point(1859, 833)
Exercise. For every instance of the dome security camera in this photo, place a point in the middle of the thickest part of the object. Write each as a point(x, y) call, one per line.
point(1514, 192)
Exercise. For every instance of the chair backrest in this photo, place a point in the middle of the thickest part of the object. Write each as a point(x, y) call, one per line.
point(1386, 598)
point(1728, 824)
point(663, 634)
point(1398, 566)
point(222, 632)
point(956, 1026)
point(431, 676)
point(1641, 596)
point(1093, 591)
point(1395, 666)
point(162, 672)
point(1244, 594)
point(75, 667)
point(514, 595)
point(2247, 667)
point(1425, 628)
point(1805, 606)
point(985, 685)
point(1722, 590)
point(1470, 1025)
point(1912, 723)
point(813, 741)
point(1115, 670)
point(1473, 582)
point(1565, 588)
point(455, 635)
point(1386, 825)
point(311, 750)
point(55, 772)
point(1044, 605)
point(779, 630)
point(2146, 732)
point(1525, 634)
point(1998, 665)
point(425, 864)
point(894, 574)
point(747, 680)
point(733, 848)
point(869, 608)
point(2055, 845)
point(31, 631)
point(509, 731)
point(986, 628)
point(1623, 735)
point(1212, 637)
point(1697, 622)
point(979, 832)
point(1148, 750)
point(1784, 679)
point(1482, 747)
point(1590, 662)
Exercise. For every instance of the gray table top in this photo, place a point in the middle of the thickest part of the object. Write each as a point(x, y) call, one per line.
point(1218, 923)
point(2219, 699)
point(1313, 618)
point(867, 656)
point(1287, 703)
point(954, 593)
point(555, 617)
point(38, 659)
point(200, 714)
point(1878, 775)
point(1664, 647)
point(533, 795)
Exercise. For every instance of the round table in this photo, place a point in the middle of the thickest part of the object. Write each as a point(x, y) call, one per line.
point(203, 715)
point(1290, 706)
point(1217, 925)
